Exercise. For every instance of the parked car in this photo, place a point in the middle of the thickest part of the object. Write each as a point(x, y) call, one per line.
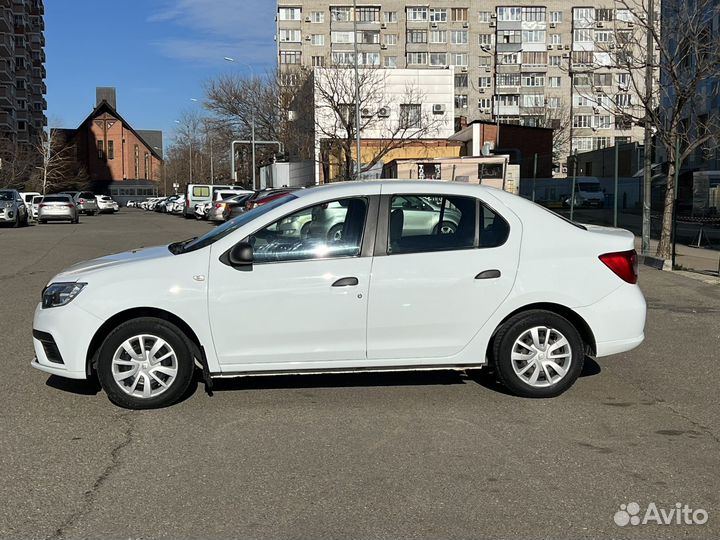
point(202, 193)
point(13, 208)
point(130, 204)
point(202, 209)
point(266, 196)
point(178, 206)
point(85, 202)
point(588, 193)
point(60, 207)
point(220, 210)
point(34, 206)
point(27, 197)
point(106, 204)
point(377, 297)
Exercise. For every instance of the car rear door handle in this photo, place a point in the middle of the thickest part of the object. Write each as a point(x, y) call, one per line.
point(346, 282)
point(488, 274)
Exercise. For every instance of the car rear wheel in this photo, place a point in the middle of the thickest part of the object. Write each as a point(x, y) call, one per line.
point(145, 363)
point(446, 227)
point(335, 232)
point(538, 354)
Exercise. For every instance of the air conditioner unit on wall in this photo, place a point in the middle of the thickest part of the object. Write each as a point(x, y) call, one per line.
point(438, 108)
point(550, 47)
point(308, 38)
point(383, 26)
point(463, 69)
point(308, 19)
point(366, 113)
point(493, 23)
point(383, 112)
point(553, 25)
point(466, 24)
point(383, 46)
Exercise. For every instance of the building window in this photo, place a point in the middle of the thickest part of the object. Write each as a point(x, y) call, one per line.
point(343, 58)
point(369, 37)
point(459, 37)
point(438, 36)
point(535, 14)
point(20, 84)
point(460, 59)
point(317, 16)
point(289, 14)
point(438, 59)
point(390, 39)
point(341, 14)
point(417, 58)
point(602, 79)
point(553, 102)
point(318, 39)
point(368, 14)
point(484, 61)
point(417, 14)
point(101, 149)
point(290, 57)
point(582, 121)
point(484, 16)
point(604, 15)
point(508, 58)
point(341, 37)
point(555, 82)
point(533, 80)
point(137, 161)
point(508, 79)
point(318, 61)
point(459, 14)
point(290, 36)
point(21, 125)
point(485, 39)
point(533, 36)
point(111, 149)
point(556, 39)
point(601, 142)
point(147, 166)
point(583, 34)
point(461, 80)
point(369, 59)
point(582, 79)
point(417, 36)
point(438, 15)
point(461, 101)
point(556, 16)
point(390, 16)
point(508, 100)
point(390, 62)
point(485, 103)
point(533, 100)
point(485, 82)
point(624, 15)
point(509, 13)
point(534, 58)
point(583, 58)
point(603, 36)
point(556, 61)
point(410, 115)
point(509, 36)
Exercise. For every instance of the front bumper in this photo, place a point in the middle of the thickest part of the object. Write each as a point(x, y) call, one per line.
point(7, 215)
point(71, 328)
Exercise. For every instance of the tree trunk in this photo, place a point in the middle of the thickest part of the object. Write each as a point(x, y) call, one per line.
point(664, 250)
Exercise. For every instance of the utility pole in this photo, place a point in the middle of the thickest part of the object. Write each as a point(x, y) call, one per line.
point(615, 194)
point(574, 179)
point(534, 176)
point(357, 94)
point(647, 172)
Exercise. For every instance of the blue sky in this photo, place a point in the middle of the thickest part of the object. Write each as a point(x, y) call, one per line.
point(157, 53)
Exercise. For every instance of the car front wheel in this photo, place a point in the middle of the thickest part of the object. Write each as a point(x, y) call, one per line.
point(538, 354)
point(145, 363)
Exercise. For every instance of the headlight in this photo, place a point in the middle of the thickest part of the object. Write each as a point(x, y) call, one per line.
point(59, 294)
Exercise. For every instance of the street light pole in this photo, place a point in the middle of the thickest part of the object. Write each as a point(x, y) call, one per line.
point(357, 94)
point(647, 172)
point(252, 128)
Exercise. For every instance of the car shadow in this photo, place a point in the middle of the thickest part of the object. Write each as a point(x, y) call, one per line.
point(80, 387)
point(338, 380)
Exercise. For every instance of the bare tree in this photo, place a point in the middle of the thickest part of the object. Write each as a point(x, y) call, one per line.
point(17, 163)
point(389, 117)
point(686, 59)
point(57, 165)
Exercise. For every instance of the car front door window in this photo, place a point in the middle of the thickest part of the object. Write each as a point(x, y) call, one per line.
point(328, 230)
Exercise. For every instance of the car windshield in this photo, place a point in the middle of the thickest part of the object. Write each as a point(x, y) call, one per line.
point(589, 187)
point(87, 195)
point(6, 196)
point(227, 228)
point(37, 199)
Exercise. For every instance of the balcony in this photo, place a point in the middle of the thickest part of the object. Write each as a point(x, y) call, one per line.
point(5, 20)
point(7, 122)
point(7, 47)
point(7, 96)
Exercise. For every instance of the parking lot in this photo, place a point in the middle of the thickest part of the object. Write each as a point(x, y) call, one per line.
point(425, 455)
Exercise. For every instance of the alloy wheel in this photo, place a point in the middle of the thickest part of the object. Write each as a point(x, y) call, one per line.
point(541, 356)
point(144, 366)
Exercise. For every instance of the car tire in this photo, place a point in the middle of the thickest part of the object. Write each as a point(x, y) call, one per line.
point(42, 221)
point(335, 232)
point(90, 213)
point(522, 349)
point(17, 221)
point(76, 220)
point(448, 226)
point(114, 361)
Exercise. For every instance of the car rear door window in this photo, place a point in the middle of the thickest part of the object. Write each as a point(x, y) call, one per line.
point(494, 230)
point(328, 230)
point(425, 223)
point(201, 191)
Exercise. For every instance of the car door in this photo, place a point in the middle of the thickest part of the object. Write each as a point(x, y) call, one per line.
point(431, 292)
point(303, 301)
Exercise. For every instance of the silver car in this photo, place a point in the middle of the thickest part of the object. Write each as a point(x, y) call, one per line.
point(59, 207)
point(85, 201)
point(12, 208)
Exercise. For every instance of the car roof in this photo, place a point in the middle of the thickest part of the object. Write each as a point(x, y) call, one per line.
point(388, 186)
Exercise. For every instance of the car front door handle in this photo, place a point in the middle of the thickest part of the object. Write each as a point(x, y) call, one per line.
point(346, 282)
point(488, 274)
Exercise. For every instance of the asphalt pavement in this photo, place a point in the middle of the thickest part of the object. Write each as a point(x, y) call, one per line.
point(425, 455)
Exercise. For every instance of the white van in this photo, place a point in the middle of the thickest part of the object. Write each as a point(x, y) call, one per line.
point(201, 193)
point(588, 192)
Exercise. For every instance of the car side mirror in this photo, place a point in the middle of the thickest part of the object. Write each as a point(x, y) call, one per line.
point(241, 256)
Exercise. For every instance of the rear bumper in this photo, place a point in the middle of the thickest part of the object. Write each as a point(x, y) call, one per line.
point(617, 321)
point(56, 216)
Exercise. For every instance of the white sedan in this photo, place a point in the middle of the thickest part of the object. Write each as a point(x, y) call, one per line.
point(511, 285)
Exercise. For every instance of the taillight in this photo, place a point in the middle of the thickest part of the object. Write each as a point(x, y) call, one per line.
point(41, 205)
point(70, 205)
point(82, 201)
point(623, 263)
point(219, 205)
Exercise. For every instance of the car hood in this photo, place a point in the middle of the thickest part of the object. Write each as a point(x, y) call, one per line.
point(77, 271)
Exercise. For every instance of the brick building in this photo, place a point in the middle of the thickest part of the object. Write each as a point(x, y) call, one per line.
point(113, 152)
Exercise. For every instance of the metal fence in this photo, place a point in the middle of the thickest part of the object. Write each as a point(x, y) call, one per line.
point(696, 226)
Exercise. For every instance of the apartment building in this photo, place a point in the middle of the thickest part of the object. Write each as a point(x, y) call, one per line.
point(22, 69)
point(545, 64)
